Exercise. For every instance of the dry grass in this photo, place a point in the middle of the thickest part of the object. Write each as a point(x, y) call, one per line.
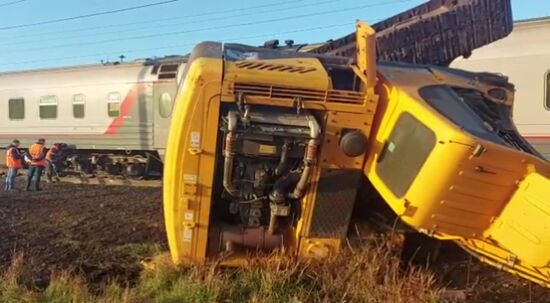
point(369, 274)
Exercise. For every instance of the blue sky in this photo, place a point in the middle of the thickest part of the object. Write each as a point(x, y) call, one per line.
point(174, 28)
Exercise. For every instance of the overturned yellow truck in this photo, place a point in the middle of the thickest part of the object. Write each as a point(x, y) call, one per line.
point(269, 149)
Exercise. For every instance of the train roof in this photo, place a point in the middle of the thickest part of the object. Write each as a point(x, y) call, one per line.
point(146, 70)
point(525, 40)
point(533, 21)
point(103, 65)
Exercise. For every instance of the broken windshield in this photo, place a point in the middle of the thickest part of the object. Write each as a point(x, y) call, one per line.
point(472, 111)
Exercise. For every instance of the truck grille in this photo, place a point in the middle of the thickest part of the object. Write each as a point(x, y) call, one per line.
point(268, 91)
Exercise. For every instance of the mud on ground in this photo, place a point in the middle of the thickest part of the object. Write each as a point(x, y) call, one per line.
point(482, 283)
point(103, 233)
point(100, 232)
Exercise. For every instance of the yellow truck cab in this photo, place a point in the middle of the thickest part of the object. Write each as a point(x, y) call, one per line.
point(447, 158)
point(267, 151)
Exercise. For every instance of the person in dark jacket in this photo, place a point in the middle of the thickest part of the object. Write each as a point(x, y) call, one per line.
point(14, 162)
point(37, 153)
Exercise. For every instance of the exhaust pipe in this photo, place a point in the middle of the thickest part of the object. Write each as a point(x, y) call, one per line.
point(229, 152)
point(310, 158)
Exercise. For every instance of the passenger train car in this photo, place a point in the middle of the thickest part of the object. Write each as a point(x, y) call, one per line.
point(109, 112)
point(523, 56)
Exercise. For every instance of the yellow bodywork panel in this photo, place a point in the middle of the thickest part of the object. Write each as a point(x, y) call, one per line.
point(519, 239)
point(491, 199)
point(366, 55)
point(523, 227)
point(306, 73)
point(189, 164)
point(291, 82)
point(490, 252)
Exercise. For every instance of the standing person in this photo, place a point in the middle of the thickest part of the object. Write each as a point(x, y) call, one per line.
point(14, 163)
point(53, 156)
point(37, 153)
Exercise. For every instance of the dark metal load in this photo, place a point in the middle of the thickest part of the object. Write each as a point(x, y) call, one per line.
point(436, 32)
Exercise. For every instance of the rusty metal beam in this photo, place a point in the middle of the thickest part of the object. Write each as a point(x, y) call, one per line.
point(436, 32)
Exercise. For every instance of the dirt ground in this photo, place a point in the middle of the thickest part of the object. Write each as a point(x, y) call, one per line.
point(482, 283)
point(104, 233)
point(100, 232)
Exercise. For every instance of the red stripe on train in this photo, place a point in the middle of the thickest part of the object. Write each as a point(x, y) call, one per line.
point(541, 137)
point(125, 109)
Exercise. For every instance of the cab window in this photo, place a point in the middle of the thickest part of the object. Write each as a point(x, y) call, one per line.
point(407, 148)
point(79, 106)
point(48, 107)
point(16, 109)
point(113, 104)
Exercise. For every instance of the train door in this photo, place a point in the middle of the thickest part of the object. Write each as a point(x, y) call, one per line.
point(164, 94)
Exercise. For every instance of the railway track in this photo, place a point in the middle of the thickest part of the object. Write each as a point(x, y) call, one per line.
point(112, 181)
point(97, 180)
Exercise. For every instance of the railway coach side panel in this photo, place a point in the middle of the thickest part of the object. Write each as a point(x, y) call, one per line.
point(92, 108)
point(112, 117)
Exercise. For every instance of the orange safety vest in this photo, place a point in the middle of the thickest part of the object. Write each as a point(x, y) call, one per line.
point(37, 151)
point(11, 162)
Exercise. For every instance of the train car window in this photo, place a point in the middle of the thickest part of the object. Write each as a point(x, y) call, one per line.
point(16, 109)
point(79, 106)
point(113, 104)
point(547, 88)
point(48, 107)
point(165, 105)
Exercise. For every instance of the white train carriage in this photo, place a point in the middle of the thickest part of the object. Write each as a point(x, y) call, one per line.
point(523, 56)
point(108, 110)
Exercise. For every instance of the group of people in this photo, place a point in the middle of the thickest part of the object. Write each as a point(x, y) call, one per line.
point(38, 159)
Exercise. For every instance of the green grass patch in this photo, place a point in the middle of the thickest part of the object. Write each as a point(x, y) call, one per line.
point(369, 274)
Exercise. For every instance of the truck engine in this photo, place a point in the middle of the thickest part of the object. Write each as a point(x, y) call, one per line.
point(268, 156)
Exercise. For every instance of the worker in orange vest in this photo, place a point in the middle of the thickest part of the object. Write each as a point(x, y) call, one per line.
point(53, 156)
point(14, 163)
point(37, 153)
